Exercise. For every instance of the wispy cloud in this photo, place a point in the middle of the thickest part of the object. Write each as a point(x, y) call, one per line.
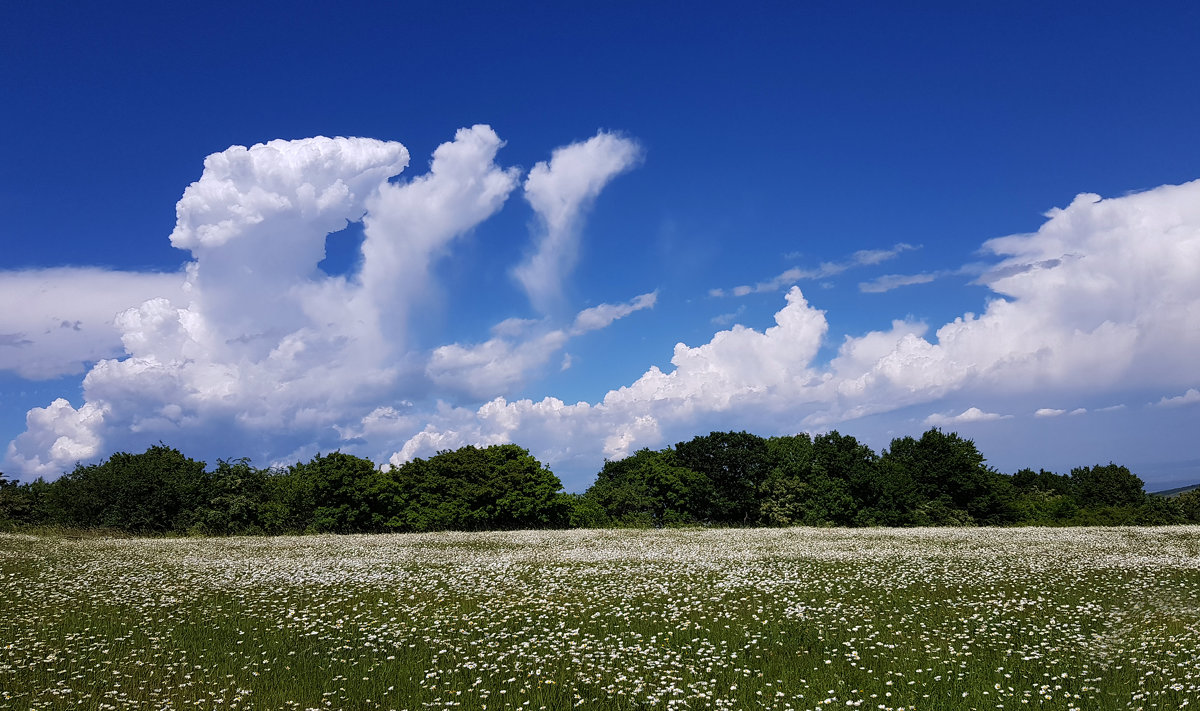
point(560, 192)
point(887, 282)
point(598, 317)
point(726, 319)
point(861, 258)
point(518, 350)
point(971, 414)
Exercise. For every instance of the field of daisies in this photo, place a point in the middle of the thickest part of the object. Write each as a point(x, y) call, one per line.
point(671, 619)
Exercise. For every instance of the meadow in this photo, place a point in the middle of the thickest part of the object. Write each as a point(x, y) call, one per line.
point(799, 618)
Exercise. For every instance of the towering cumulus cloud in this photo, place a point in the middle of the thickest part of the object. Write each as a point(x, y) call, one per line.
point(254, 350)
point(254, 346)
point(259, 343)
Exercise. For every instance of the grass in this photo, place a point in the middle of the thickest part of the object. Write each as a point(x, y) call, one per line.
point(733, 619)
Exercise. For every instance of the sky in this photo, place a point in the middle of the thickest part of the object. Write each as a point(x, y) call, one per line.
point(274, 230)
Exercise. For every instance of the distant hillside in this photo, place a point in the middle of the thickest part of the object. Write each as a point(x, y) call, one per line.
point(1175, 492)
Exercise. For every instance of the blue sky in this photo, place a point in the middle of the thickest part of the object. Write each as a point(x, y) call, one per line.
point(614, 180)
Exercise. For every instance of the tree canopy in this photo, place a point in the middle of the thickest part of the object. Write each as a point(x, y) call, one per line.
point(722, 478)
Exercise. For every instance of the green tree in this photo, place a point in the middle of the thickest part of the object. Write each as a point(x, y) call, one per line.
point(288, 501)
point(843, 458)
point(586, 512)
point(949, 477)
point(153, 492)
point(1189, 505)
point(806, 498)
point(650, 488)
point(14, 503)
point(1028, 480)
point(345, 492)
point(234, 499)
point(735, 465)
point(471, 488)
point(799, 489)
point(1107, 485)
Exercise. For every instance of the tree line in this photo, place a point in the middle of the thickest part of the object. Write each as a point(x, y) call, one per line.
point(723, 478)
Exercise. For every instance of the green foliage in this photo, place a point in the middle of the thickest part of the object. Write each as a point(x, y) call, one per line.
point(1108, 485)
point(650, 488)
point(735, 464)
point(14, 505)
point(471, 489)
point(343, 490)
point(585, 512)
point(1041, 507)
point(843, 458)
point(233, 501)
point(1027, 480)
point(722, 478)
point(948, 476)
point(1188, 504)
point(1159, 511)
point(800, 490)
point(813, 498)
point(156, 491)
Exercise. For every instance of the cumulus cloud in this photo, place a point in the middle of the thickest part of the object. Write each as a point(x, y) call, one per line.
point(254, 346)
point(560, 192)
point(495, 366)
point(67, 316)
point(732, 373)
point(60, 433)
point(259, 341)
point(1105, 295)
point(863, 257)
point(504, 362)
point(259, 348)
point(1190, 397)
point(971, 414)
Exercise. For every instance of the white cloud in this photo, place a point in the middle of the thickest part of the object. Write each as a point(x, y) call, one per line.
point(261, 349)
point(887, 282)
point(1049, 412)
point(1105, 295)
point(58, 433)
point(67, 316)
point(728, 318)
point(863, 257)
point(494, 367)
point(971, 414)
point(730, 374)
point(260, 344)
point(560, 192)
point(408, 226)
point(504, 362)
point(1190, 397)
point(601, 316)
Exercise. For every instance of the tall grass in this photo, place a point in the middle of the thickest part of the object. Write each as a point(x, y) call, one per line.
point(733, 619)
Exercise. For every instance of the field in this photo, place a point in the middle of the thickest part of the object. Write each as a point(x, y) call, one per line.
point(678, 619)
